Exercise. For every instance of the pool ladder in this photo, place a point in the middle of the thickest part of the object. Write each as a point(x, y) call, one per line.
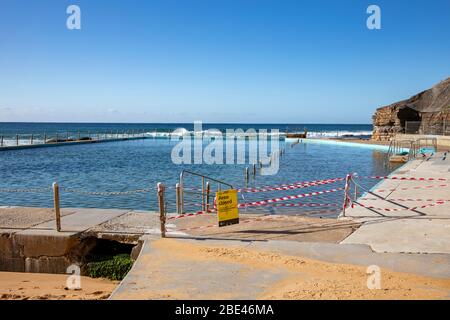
point(413, 146)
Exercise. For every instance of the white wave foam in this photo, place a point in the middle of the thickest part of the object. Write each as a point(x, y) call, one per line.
point(334, 134)
point(206, 133)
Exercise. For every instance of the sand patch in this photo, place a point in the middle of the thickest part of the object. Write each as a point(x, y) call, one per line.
point(43, 286)
point(306, 278)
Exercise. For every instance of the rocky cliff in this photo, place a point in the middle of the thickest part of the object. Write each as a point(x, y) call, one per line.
point(428, 108)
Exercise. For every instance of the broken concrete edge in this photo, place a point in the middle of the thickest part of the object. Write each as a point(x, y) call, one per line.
point(54, 252)
point(143, 242)
point(40, 254)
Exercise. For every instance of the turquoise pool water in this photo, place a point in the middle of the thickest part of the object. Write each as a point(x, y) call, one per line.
point(131, 165)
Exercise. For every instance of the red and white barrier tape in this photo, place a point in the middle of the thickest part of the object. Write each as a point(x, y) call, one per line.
point(418, 200)
point(293, 183)
point(402, 178)
point(263, 202)
point(398, 209)
point(277, 187)
point(240, 222)
point(298, 185)
point(249, 220)
point(409, 188)
point(185, 215)
point(196, 228)
point(243, 205)
point(294, 205)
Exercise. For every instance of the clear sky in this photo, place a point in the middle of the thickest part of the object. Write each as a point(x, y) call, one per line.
point(217, 60)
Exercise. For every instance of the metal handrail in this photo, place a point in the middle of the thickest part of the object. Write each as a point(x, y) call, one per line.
point(204, 195)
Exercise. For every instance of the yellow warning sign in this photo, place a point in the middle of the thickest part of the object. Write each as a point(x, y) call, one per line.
point(227, 207)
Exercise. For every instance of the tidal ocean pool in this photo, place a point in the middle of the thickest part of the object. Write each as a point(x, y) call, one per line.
point(141, 164)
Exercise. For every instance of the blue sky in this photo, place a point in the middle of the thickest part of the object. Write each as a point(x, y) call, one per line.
point(217, 60)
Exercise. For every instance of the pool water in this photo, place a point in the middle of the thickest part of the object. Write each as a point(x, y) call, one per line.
point(141, 164)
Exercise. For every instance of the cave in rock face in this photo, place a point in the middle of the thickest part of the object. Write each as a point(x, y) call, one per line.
point(408, 114)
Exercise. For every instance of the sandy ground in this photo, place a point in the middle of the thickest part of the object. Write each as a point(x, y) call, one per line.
point(42, 286)
point(280, 227)
point(310, 279)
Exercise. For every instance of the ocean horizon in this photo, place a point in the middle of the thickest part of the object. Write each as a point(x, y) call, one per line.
point(10, 129)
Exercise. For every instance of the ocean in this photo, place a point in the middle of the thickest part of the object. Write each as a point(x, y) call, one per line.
point(10, 129)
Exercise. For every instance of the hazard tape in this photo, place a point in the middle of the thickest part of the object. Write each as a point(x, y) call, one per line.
point(403, 178)
point(245, 205)
point(409, 188)
point(263, 202)
point(251, 220)
point(216, 225)
point(418, 200)
point(398, 209)
point(185, 215)
point(195, 228)
point(297, 185)
point(294, 205)
point(288, 187)
point(198, 213)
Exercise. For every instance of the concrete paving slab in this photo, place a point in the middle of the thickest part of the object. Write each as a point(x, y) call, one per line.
point(191, 279)
point(131, 222)
point(16, 218)
point(83, 219)
point(416, 235)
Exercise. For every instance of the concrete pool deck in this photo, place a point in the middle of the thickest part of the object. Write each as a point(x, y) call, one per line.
point(424, 230)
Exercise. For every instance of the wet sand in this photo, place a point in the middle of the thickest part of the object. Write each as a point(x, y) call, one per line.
point(43, 286)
